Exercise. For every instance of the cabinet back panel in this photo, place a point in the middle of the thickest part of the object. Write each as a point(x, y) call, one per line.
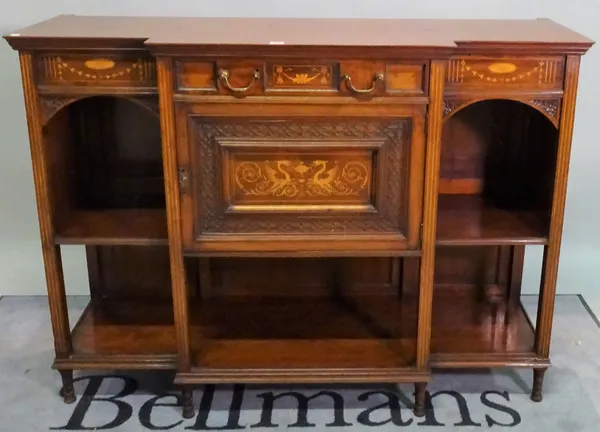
point(302, 277)
point(135, 272)
point(115, 150)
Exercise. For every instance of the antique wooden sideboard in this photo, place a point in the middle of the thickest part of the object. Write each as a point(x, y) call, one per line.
point(300, 200)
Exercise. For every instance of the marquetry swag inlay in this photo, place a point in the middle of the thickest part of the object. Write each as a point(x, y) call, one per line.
point(488, 71)
point(65, 68)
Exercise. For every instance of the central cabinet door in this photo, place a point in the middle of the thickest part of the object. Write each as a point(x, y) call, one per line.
point(300, 180)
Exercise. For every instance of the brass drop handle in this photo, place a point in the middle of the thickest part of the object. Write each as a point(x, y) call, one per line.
point(224, 78)
point(376, 80)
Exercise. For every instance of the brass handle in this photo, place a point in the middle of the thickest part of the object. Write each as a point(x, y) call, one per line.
point(376, 80)
point(224, 77)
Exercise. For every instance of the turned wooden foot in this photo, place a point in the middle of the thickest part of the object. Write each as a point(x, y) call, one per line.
point(187, 403)
point(420, 392)
point(538, 382)
point(67, 392)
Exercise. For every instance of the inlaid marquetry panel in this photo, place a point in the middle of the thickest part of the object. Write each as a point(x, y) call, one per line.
point(299, 176)
point(96, 69)
point(319, 77)
point(515, 72)
point(331, 177)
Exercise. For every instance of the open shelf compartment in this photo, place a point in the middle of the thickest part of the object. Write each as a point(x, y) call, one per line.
point(477, 317)
point(496, 175)
point(135, 334)
point(114, 227)
point(465, 333)
point(468, 331)
point(303, 339)
point(243, 328)
point(128, 321)
point(472, 220)
point(103, 155)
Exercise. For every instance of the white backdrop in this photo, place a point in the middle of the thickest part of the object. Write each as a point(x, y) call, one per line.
point(21, 270)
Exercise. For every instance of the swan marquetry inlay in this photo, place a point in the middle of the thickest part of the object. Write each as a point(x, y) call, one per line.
point(296, 179)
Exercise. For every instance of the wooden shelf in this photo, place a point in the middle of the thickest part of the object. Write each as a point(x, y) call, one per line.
point(469, 220)
point(293, 339)
point(127, 334)
point(306, 339)
point(470, 332)
point(114, 227)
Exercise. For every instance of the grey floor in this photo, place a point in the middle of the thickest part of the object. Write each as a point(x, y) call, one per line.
point(468, 400)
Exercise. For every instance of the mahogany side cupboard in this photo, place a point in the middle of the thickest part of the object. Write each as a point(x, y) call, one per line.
point(300, 200)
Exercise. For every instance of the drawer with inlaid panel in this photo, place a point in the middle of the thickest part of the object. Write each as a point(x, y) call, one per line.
point(96, 70)
point(302, 77)
point(356, 78)
point(506, 73)
point(300, 180)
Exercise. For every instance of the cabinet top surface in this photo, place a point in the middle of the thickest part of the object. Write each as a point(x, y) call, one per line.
point(444, 33)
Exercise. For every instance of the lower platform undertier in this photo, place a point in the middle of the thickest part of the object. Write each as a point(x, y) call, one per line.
point(302, 339)
point(569, 394)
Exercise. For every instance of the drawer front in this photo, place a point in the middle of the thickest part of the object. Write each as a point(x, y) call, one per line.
point(228, 77)
point(272, 183)
point(407, 78)
point(489, 72)
point(96, 69)
point(363, 78)
point(309, 77)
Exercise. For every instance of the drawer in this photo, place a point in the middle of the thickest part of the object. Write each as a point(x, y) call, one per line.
point(347, 78)
point(230, 77)
point(488, 72)
point(361, 78)
point(287, 182)
point(96, 69)
point(309, 77)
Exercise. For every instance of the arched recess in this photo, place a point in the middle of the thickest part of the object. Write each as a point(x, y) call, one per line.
point(550, 108)
point(51, 105)
point(103, 152)
point(500, 154)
